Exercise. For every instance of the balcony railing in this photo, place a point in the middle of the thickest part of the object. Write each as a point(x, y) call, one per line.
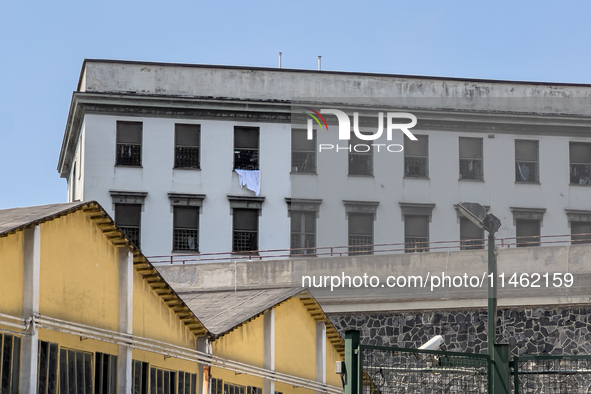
point(416, 246)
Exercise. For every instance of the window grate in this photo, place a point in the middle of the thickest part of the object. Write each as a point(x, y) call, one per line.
point(415, 167)
point(186, 157)
point(580, 174)
point(471, 169)
point(365, 242)
point(360, 164)
point(416, 244)
point(246, 159)
point(185, 239)
point(133, 233)
point(303, 244)
point(244, 241)
point(303, 162)
point(471, 244)
point(129, 155)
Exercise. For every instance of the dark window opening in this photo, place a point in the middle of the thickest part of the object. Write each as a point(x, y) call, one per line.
point(360, 233)
point(128, 218)
point(162, 381)
point(47, 368)
point(360, 161)
point(528, 232)
point(416, 163)
point(186, 229)
point(10, 348)
point(526, 161)
point(303, 152)
point(186, 145)
point(216, 386)
point(105, 373)
point(75, 372)
point(188, 383)
point(471, 236)
point(129, 144)
point(471, 166)
point(580, 163)
point(245, 230)
point(416, 233)
point(303, 233)
point(580, 232)
point(139, 373)
point(246, 148)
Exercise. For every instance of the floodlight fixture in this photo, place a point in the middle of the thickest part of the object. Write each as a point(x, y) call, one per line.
point(476, 213)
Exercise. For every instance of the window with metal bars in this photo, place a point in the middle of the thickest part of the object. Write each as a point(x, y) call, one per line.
point(186, 229)
point(47, 361)
point(303, 152)
point(580, 163)
point(303, 233)
point(580, 232)
point(128, 218)
point(245, 230)
point(416, 233)
point(253, 390)
point(75, 372)
point(129, 144)
point(105, 373)
point(187, 383)
point(528, 232)
point(230, 388)
point(526, 161)
point(360, 161)
point(139, 373)
point(360, 233)
point(10, 348)
point(217, 386)
point(416, 154)
point(186, 145)
point(162, 381)
point(246, 148)
point(471, 236)
point(471, 163)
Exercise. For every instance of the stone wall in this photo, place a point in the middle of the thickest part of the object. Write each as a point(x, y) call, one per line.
point(528, 331)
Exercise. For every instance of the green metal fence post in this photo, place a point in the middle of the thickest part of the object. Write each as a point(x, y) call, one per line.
point(501, 375)
point(516, 375)
point(351, 362)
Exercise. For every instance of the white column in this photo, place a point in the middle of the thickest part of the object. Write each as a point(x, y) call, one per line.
point(203, 380)
point(269, 349)
point(321, 352)
point(30, 342)
point(124, 367)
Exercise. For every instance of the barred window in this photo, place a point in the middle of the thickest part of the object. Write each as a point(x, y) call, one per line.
point(162, 381)
point(471, 165)
point(128, 217)
point(139, 373)
point(303, 232)
point(187, 383)
point(75, 372)
point(10, 348)
point(246, 148)
point(105, 373)
point(230, 388)
point(129, 144)
point(216, 386)
point(186, 145)
point(360, 233)
point(186, 229)
point(580, 163)
point(360, 156)
point(245, 230)
point(526, 161)
point(253, 390)
point(416, 233)
point(47, 368)
point(303, 152)
point(471, 236)
point(528, 232)
point(580, 232)
point(416, 163)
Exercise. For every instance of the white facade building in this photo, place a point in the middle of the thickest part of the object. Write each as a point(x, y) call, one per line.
point(157, 145)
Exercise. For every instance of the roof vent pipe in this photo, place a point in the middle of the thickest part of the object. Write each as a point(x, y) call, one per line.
point(319, 68)
point(280, 59)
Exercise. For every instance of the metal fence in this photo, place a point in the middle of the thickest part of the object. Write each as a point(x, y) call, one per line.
point(389, 370)
point(552, 374)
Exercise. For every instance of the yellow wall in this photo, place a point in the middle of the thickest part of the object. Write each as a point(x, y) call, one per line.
point(79, 273)
point(295, 340)
point(231, 378)
point(171, 363)
point(11, 274)
point(244, 344)
point(152, 318)
point(332, 356)
point(73, 342)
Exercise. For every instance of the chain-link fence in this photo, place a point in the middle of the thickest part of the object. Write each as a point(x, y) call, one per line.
point(552, 374)
point(398, 371)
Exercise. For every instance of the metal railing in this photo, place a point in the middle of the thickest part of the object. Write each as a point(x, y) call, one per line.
point(552, 374)
point(348, 250)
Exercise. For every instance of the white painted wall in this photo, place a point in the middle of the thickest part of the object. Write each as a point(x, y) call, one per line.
point(216, 180)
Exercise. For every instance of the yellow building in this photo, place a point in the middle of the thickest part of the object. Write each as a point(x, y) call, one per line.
point(82, 310)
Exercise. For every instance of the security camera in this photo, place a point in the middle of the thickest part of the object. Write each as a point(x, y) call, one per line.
point(433, 343)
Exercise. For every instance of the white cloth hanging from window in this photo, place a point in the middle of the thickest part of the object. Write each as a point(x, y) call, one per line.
point(251, 179)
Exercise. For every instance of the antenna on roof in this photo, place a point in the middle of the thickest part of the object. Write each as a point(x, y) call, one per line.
point(280, 59)
point(319, 67)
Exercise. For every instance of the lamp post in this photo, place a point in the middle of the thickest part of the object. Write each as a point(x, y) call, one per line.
point(499, 355)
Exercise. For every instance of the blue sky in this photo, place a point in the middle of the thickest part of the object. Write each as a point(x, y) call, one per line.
point(43, 44)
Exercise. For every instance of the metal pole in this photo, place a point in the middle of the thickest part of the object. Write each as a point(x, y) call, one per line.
point(492, 294)
point(351, 361)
